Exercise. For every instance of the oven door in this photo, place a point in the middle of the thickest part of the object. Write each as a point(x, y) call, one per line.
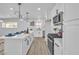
point(51, 46)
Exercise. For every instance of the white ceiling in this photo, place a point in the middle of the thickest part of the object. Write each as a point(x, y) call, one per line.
point(5, 11)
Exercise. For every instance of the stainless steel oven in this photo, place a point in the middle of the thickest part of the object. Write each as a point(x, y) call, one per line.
point(51, 46)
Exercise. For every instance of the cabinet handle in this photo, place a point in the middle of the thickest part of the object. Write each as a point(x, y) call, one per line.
point(57, 45)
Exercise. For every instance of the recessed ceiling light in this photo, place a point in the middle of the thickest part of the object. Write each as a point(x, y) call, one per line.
point(11, 8)
point(38, 9)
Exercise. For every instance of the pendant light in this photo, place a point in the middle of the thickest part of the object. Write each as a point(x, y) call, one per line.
point(27, 16)
point(19, 4)
point(57, 11)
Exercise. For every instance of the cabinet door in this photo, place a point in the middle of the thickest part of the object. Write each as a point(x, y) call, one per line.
point(24, 46)
point(57, 47)
point(13, 46)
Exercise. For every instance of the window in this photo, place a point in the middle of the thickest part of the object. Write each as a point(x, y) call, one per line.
point(9, 25)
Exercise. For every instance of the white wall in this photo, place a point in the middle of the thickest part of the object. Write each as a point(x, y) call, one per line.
point(71, 29)
point(71, 11)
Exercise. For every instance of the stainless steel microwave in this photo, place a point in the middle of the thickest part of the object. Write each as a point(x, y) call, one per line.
point(58, 18)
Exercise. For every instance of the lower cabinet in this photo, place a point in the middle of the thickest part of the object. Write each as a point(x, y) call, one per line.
point(13, 46)
point(57, 46)
point(26, 45)
point(17, 46)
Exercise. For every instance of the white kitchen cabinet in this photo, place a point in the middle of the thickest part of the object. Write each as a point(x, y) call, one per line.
point(18, 45)
point(13, 46)
point(57, 46)
point(24, 46)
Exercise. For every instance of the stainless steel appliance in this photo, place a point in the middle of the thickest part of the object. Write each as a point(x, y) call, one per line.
point(51, 44)
point(57, 19)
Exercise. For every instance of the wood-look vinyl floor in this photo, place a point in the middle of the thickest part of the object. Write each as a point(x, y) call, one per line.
point(38, 47)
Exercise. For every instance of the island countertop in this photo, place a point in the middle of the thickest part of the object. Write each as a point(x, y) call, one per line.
point(19, 36)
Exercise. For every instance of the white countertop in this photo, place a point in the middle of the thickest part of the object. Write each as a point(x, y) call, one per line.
point(20, 36)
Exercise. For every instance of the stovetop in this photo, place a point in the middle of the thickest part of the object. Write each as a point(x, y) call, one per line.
point(52, 36)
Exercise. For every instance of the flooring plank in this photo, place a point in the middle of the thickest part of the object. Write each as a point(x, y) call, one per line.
point(38, 47)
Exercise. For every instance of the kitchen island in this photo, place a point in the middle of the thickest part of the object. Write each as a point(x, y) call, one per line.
point(17, 45)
